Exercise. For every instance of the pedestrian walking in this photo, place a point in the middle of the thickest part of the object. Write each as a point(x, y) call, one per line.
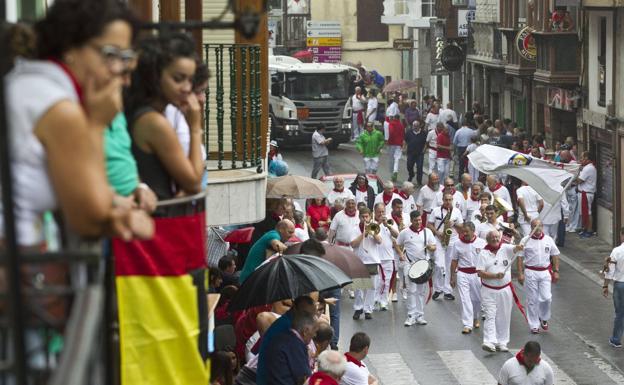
point(320, 153)
point(386, 251)
point(394, 136)
point(444, 150)
point(432, 140)
point(433, 117)
point(464, 259)
point(387, 196)
point(412, 113)
point(415, 140)
point(358, 104)
point(429, 196)
point(494, 268)
point(527, 368)
point(419, 244)
point(344, 227)
point(614, 272)
point(366, 247)
point(461, 141)
point(530, 205)
point(538, 266)
point(369, 144)
point(371, 107)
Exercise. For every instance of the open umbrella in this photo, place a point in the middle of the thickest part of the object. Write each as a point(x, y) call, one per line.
point(295, 186)
point(242, 235)
point(286, 277)
point(346, 260)
point(400, 85)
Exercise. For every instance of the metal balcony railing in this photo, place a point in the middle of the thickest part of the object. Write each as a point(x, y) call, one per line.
point(295, 28)
point(233, 129)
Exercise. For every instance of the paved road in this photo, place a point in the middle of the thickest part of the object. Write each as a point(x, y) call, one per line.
point(438, 353)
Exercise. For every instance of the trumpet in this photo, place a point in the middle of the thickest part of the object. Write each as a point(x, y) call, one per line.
point(390, 222)
point(372, 228)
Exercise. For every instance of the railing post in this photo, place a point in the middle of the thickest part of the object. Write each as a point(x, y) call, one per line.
point(207, 107)
point(258, 103)
point(233, 105)
point(219, 61)
point(244, 97)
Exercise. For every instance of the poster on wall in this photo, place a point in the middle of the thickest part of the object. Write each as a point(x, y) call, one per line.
point(464, 18)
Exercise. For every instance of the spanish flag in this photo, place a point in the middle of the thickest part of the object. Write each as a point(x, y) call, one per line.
point(162, 316)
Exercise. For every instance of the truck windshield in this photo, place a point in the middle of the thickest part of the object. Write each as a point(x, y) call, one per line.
point(300, 86)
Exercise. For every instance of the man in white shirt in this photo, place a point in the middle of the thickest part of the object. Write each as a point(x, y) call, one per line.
point(345, 225)
point(497, 189)
point(407, 196)
point(418, 242)
point(339, 191)
point(552, 216)
point(492, 223)
point(357, 373)
point(433, 117)
point(530, 204)
point(526, 368)
point(429, 196)
point(371, 108)
point(458, 198)
point(473, 203)
point(464, 255)
point(432, 145)
point(358, 103)
point(442, 219)
point(297, 7)
point(496, 292)
point(366, 247)
point(614, 271)
point(386, 250)
point(400, 221)
point(320, 153)
point(535, 261)
point(586, 187)
point(387, 196)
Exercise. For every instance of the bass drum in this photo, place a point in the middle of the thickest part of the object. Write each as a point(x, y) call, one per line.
point(420, 271)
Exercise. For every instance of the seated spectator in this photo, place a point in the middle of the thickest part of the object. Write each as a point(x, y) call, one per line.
point(331, 367)
point(357, 373)
point(270, 243)
point(323, 338)
point(227, 266)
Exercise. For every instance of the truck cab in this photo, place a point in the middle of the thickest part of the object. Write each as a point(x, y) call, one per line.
point(306, 95)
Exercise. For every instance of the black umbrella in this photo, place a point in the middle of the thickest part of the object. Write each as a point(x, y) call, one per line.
point(286, 277)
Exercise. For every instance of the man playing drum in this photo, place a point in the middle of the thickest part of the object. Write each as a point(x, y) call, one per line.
point(535, 261)
point(366, 247)
point(464, 258)
point(418, 242)
point(496, 292)
point(445, 222)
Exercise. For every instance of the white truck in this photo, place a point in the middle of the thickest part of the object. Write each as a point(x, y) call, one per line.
point(306, 95)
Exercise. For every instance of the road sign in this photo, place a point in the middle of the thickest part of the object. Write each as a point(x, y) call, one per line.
point(326, 50)
point(324, 41)
point(323, 24)
point(323, 32)
point(403, 44)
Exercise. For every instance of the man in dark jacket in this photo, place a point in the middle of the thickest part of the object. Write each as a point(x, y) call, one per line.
point(415, 139)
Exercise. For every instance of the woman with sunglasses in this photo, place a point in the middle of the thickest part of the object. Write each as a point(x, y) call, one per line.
point(58, 107)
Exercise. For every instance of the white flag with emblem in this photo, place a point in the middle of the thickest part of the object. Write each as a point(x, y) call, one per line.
point(547, 177)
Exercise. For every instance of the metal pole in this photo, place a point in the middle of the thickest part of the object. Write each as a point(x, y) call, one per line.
point(16, 307)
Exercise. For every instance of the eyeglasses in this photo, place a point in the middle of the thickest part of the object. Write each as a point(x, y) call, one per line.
point(112, 55)
point(449, 185)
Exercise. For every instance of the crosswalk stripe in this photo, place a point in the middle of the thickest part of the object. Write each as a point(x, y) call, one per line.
point(466, 367)
point(391, 369)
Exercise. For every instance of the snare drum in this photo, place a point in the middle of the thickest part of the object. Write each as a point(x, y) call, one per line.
point(420, 271)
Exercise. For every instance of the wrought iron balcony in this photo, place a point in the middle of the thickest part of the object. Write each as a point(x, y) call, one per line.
point(294, 28)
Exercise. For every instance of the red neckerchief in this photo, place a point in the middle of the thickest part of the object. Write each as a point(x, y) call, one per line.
point(493, 249)
point(463, 239)
point(298, 226)
point(541, 236)
point(354, 360)
point(72, 78)
point(403, 195)
point(386, 199)
point(362, 188)
point(520, 358)
point(349, 215)
point(498, 185)
point(361, 227)
point(339, 191)
point(418, 230)
point(452, 191)
point(397, 218)
point(474, 200)
point(276, 217)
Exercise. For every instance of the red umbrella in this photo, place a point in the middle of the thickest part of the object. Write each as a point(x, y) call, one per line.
point(400, 86)
point(304, 55)
point(239, 235)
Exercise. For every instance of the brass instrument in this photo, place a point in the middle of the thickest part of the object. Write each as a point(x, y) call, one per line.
point(390, 222)
point(372, 228)
point(448, 231)
point(501, 206)
point(481, 218)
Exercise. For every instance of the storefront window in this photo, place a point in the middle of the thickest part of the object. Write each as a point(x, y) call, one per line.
point(275, 7)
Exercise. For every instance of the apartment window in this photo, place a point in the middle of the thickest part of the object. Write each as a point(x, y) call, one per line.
point(369, 25)
point(522, 12)
point(602, 62)
point(276, 7)
point(428, 8)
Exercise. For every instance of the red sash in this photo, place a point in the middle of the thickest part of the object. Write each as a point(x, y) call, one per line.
point(585, 209)
point(468, 270)
point(513, 293)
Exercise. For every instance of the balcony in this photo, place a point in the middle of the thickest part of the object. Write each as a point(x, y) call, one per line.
point(557, 58)
point(294, 29)
point(234, 135)
point(411, 13)
point(487, 45)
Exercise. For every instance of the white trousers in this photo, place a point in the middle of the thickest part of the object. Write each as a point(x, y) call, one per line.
point(365, 299)
point(526, 228)
point(416, 298)
point(469, 288)
point(433, 156)
point(441, 273)
point(444, 168)
point(551, 230)
point(394, 155)
point(371, 165)
point(497, 306)
point(384, 284)
point(538, 295)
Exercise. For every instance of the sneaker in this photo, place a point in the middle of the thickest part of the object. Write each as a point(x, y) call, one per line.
point(383, 308)
point(395, 298)
point(535, 331)
point(368, 316)
point(351, 294)
point(488, 347)
point(544, 325)
point(357, 314)
point(436, 295)
point(586, 234)
point(409, 321)
point(476, 324)
point(449, 297)
point(421, 321)
point(466, 330)
point(404, 294)
point(502, 348)
point(615, 344)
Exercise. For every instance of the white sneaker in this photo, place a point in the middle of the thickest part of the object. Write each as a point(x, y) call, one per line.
point(409, 321)
point(488, 347)
point(351, 294)
point(421, 321)
point(394, 297)
point(502, 348)
point(404, 292)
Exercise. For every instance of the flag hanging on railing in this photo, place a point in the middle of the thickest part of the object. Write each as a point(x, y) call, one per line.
point(159, 321)
point(547, 177)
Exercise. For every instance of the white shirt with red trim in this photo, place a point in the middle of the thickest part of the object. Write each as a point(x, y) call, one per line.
point(460, 203)
point(537, 252)
point(409, 203)
point(346, 227)
point(385, 249)
point(514, 373)
point(380, 199)
point(466, 253)
point(414, 242)
point(531, 202)
point(500, 192)
point(429, 199)
point(356, 374)
point(333, 195)
point(437, 217)
point(497, 263)
point(484, 228)
point(368, 250)
point(588, 175)
point(472, 206)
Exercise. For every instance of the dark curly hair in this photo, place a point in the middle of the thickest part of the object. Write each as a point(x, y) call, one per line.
point(155, 54)
point(71, 23)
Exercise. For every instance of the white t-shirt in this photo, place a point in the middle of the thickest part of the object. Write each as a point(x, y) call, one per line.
point(368, 250)
point(537, 252)
point(356, 374)
point(616, 267)
point(393, 109)
point(482, 229)
point(431, 121)
point(459, 203)
point(448, 115)
point(491, 263)
point(347, 228)
point(501, 192)
point(414, 243)
point(299, 7)
point(552, 216)
point(333, 195)
point(356, 103)
point(432, 141)
point(437, 217)
point(513, 373)
point(531, 202)
point(471, 207)
point(361, 196)
point(181, 128)
point(372, 105)
point(409, 204)
point(302, 234)
point(379, 199)
point(385, 249)
point(467, 253)
point(428, 199)
point(588, 175)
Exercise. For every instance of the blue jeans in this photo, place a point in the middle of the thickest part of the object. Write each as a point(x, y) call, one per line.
point(334, 316)
point(618, 303)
